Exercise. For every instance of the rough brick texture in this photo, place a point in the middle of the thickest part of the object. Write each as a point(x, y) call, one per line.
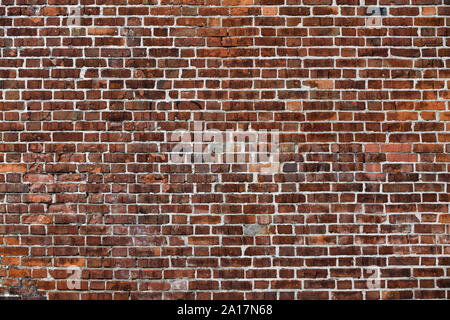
point(93, 208)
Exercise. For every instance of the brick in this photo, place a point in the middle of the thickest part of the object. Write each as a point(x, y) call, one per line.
point(18, 168)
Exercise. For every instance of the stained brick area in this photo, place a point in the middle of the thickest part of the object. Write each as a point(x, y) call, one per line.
point(353, 203)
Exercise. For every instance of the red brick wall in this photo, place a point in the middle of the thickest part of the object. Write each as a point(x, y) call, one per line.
point(353, 96)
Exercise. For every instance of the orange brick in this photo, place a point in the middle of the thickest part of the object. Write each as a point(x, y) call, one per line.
point(18, 168)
